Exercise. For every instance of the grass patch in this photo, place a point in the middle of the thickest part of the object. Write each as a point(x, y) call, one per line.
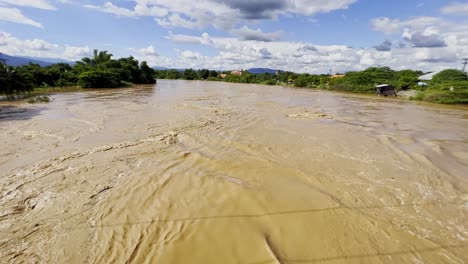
point(49, 90)
point(452, 92)
point(443, 96)
point(39, 99)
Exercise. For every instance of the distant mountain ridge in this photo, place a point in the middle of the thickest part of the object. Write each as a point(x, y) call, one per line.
point(20, 61)
point(262, 70)
point(159, 68)
point(50, 60)
point(43, 62)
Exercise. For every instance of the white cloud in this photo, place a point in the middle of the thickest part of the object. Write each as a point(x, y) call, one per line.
point(233, 53)
point(246, 33)
point(39, 44)
point(191, 55)
point(176, 20)
point(183, 39)
point(455, 9)
point(148, 51)
point(436, 55)
point(108, 7)
point(142, 9)
point(237, 54)
point(34, 48)
point(435, 42)
point(76, 53)
point(221, 14)
point(40, 48)
point(424, 39)
point(15, 15)
point(392, 26)
point(41, 4)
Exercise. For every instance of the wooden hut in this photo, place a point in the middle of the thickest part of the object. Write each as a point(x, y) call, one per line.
point(385, 90)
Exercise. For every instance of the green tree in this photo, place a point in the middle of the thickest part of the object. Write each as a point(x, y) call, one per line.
point(204, 74)
point(146, 74)
point(99, 79)
point(13, 81)
point(190, 74)
point(449, 75)
point(406, 78)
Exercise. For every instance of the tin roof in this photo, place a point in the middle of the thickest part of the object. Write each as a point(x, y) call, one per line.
point(382, 85)
point(427, 77)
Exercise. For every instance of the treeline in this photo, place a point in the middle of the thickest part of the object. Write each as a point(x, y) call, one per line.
point(449, 86)
point(363, 81)
point(187, 74)
point(100, 71)
point(280, 77)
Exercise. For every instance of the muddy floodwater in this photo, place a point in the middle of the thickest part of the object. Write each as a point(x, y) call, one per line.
point(209, 172)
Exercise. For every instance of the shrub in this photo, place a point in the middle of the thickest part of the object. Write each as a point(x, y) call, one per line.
point(39, 99)
point(99, 79)
point(451, 92)
point(449, 76)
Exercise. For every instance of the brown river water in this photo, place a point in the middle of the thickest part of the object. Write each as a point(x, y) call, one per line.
point(208, 172)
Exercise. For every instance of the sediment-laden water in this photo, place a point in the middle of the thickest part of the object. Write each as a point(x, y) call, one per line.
point(208, 172)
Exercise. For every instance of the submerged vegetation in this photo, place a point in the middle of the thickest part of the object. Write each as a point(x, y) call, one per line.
point(101, 71)
point(39, 99)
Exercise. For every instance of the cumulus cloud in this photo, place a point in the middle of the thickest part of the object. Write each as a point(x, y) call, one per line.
point(110, 8)
point(421, 40)
point(220, 14)
point(148, 51)
point(191, 55)
point(188, 39)
point(386, 45)
point(392, 26)
point(445, 37)
point(237, 54)
point(246, 33)
point(40, 48)
point(260, 9)
point(308, 48)
point(176, 20)
point(76, 53)
point(436, 55)
point(265, 54)
point(455, 9)
point(234, 53)
point(30, 47)
point(39, 44)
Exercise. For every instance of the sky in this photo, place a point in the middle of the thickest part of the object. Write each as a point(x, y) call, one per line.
point(307, 36)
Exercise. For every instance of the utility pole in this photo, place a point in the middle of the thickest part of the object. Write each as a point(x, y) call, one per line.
point(465, 63)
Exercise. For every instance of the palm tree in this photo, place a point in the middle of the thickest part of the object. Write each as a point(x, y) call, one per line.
point(101, 57)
